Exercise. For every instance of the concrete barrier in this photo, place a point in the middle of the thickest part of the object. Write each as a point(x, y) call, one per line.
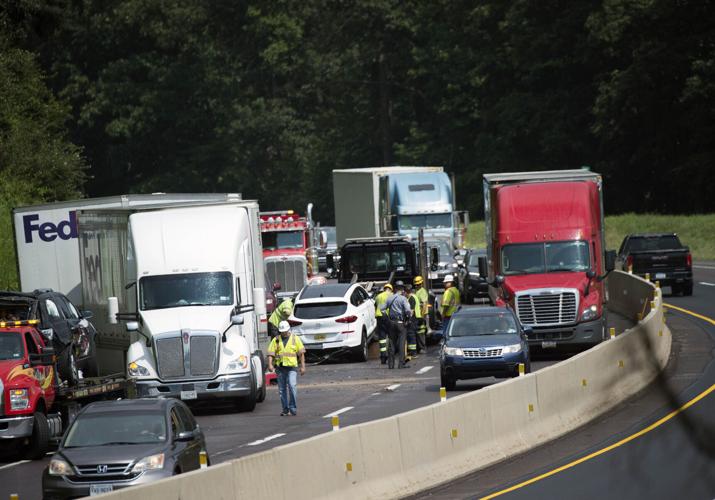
point(407, 453)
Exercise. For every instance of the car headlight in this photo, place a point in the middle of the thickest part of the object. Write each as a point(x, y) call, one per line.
point(511, 349)
point(589, 313)
point(152, 462)
point(19, 399)
point(136, 370)
point(59, 467)
point(238, 364)
point(453, 351)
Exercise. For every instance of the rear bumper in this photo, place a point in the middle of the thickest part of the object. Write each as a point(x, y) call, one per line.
point(227, 386)
point(667, 278)
point(349, 341)
point(584, 334)
point(16, 427)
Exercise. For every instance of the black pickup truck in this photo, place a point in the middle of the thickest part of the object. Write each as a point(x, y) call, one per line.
point(662, 256)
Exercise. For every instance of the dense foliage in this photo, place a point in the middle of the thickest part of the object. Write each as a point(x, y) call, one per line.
point(266, 98)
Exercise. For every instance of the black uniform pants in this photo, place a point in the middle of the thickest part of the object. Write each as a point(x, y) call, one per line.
point(383, 331)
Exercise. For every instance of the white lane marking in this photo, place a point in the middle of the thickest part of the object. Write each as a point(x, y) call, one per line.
point(265, 440)
point(336, 413)
point(392, 387)
point(221, 452)
point(706, 283)
point(14, 464)
point(424, 370)
point(704, 267)
point(375, 394)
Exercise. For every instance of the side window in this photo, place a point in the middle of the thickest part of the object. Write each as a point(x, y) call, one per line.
point(70, 310)
point(363, 294)
point(52, 310)
point(31, 346)
point(189, 423)
point(355, 298)
point(175, 422)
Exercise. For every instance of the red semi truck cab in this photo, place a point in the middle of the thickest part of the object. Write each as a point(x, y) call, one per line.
point(546, 255)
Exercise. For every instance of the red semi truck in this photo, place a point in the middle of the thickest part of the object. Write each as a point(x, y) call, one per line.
point(546, 254)
point(34, 408)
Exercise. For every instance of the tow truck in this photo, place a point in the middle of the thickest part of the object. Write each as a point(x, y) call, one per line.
point(35, 405)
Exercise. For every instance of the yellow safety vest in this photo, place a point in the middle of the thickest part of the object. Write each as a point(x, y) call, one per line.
point(417, 310)
point(281, 313)
point(450, 301)
point(421, 294)
point(380, 299)
point(286, 355)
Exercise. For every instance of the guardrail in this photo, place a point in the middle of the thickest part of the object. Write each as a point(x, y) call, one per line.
point(406, 453)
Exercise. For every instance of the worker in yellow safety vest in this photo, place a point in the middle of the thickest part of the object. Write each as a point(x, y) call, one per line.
point(450, 301)
point(285, 349)
point(414, 302)
point(421, 293)
point(280, 313)
point(383, 322)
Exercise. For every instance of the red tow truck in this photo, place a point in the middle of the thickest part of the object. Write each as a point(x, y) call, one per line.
point(35, 406)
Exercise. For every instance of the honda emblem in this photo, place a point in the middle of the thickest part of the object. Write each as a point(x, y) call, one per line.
point(102, 469)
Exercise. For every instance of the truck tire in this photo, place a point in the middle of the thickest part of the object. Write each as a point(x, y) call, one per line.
point(67, 366)
point(248, 403)
point(360, 352)
point(40, 440)
point(261, 395)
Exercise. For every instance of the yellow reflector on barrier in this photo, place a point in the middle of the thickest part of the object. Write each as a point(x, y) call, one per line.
point(336, 422)
point(442, 394)
point(621, 364)
point(454, 433)
point(583, 382)
point(531, 407)
point(348, 467)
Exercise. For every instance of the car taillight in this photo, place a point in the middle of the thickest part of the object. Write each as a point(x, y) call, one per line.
point(629, 262)
point(347, 319)
point(689, 260)
point(294, 322)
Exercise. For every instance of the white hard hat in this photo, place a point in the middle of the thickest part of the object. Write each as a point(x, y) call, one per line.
point(448, 279)
point(283, 326)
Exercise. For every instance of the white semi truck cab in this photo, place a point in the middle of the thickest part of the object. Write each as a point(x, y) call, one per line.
point(195, 302)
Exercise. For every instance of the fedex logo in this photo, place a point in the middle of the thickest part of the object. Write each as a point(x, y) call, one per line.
point(48, 231)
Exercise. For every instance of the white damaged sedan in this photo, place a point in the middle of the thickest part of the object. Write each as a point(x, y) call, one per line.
point(334, 316)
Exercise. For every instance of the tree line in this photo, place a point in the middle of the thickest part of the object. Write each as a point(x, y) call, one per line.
point(104, 97)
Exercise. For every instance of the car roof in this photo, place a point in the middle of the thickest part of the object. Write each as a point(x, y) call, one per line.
point(129, 405)
point(483, 311)
point(334, 290)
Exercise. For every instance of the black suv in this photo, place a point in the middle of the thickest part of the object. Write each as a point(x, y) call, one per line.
point(68, 330)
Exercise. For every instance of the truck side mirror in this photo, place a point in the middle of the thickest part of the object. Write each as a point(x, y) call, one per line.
point(482, 265)
point(499, 279)
point(132, 326)
point(434, 257)
point(112, 310)
point(610, 260)
point(330, 261)
point(323, 239)
point(237, 319)
point(87, 314)
point(46, 358)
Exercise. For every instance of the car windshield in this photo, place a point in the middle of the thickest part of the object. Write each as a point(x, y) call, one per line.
point(319, 310)
point(654, 243)
point(178, 290)
point(99, 429)
point(535, 258)
point(427, 221)
point(280, 240)
point(488, 324)
point(11, 346)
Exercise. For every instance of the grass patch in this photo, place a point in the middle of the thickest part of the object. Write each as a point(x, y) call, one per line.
point(695, 231)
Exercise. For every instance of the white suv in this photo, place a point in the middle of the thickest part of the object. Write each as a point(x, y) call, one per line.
point(334, 316)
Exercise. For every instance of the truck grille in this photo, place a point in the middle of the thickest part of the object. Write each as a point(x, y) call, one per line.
point(547, 307)
point(197, 356)
point(202, 360)
point(170, 355)
point(482, 353)
point(290, 273)
point(2, 398)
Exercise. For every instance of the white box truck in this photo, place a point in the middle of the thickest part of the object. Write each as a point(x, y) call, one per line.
point(189, 283)
point(46, 236)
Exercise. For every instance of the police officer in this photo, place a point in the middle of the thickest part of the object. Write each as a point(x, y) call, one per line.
point(421, 294)
point(398, 310)
point(450, 301)
point(286, 348)
point(280, 313)
point(383, 322)
point(412, 324)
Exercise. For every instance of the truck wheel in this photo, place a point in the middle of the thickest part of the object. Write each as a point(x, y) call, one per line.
point(40, 440)
point(248, 403)
point(360, 352)
point(67, 366)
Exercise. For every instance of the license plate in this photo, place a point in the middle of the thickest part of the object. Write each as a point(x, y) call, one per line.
point(319, 337)
point(188, 395)
point(660, 276)
point(99, 489)
point(548, 344)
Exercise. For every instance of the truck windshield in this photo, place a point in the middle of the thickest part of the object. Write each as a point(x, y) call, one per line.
point(178, 290)
point(11, 346)
point(551, 257)
point(282, 239)
point(376, 260)
point(427, 221)
point(103, 429)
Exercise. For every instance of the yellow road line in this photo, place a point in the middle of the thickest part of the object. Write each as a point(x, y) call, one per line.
point(623, 441)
